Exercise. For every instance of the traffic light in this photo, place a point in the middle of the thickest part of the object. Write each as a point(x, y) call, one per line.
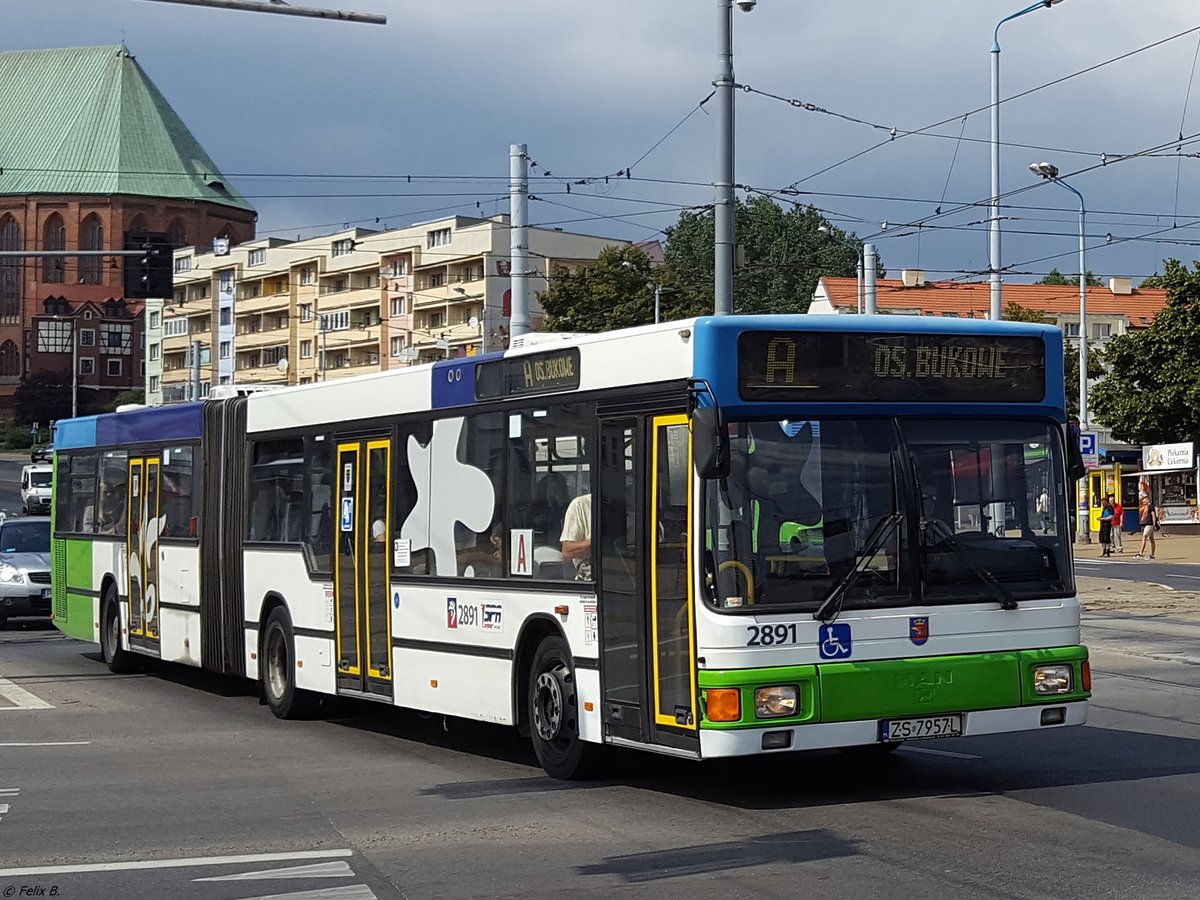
point(151, 273)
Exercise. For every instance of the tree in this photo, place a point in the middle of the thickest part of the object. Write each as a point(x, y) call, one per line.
point(1014, 312)
point(1156, 280)
point(1056, 277)
point(128, 398)
point(1152, 392)
point(783, 256)
point(44, 397)
point(616, 291)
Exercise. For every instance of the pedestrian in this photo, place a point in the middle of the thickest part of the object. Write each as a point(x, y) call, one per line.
point(1118, 518)
point(1043, 508)
point(1106, 522)
point(1148, 519)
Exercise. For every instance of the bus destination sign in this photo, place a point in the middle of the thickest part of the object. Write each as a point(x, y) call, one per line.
point(537, 373)
point(850, 366)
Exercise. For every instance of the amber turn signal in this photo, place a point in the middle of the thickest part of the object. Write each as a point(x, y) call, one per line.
point(723, 704)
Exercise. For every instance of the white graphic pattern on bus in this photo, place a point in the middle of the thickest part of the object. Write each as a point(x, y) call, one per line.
point(465, 494)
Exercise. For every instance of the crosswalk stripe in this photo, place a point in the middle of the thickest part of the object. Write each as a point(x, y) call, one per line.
point(337, 869)
point(349, 892)
point(19, 697)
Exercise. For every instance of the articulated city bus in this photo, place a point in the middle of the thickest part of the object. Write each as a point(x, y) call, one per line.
point(718, 537)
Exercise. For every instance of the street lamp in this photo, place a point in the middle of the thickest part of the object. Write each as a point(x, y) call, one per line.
point(825, 229)
point(657, 288)
point(723, 210)
point(1050, 173)
point(994, 228)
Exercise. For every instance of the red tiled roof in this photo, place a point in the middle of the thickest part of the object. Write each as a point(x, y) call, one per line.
point(937, 298)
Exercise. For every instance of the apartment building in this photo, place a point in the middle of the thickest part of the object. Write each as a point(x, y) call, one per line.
point(272, 312)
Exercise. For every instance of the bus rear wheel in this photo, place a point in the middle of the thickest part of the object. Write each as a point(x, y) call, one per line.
point(279, 669)
point(119, 660)
point(554, 714)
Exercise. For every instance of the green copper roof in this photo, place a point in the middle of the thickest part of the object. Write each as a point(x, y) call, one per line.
point(87, 120)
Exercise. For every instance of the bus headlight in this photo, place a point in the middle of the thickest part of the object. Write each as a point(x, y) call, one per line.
point(1053, 680)
point(776, 701)
point(11, 575)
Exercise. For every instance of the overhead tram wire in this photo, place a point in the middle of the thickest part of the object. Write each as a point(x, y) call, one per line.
point(980, 109)
point(1040, 184)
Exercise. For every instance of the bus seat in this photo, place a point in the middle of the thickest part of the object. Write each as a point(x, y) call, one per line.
point(551, 497)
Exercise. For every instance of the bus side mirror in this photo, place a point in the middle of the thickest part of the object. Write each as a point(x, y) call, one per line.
point(1075, 467)
point(710, 442)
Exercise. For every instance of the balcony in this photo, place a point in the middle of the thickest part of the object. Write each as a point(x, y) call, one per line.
point(265, 303)
point(266, 338)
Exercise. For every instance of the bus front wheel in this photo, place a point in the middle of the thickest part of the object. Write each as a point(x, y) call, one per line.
point(554, 713)
point(279, 669)
point(119, 659)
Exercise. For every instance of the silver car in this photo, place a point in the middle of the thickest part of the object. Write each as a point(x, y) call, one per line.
point(24, 568)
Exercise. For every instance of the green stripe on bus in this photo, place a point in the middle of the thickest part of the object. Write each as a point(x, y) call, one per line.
point(890, 688)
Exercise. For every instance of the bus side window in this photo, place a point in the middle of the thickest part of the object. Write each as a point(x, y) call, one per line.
point(404, 494)
point(319, 475)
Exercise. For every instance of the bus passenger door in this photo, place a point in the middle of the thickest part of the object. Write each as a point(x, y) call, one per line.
point(362, 567)
point(622, 584)
point(646, 617)
point(141, 551)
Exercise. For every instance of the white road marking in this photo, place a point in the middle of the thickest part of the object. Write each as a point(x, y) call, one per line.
point(921, 750)
point(349, 892)
point(19, 697)
point(339, 869)
point(44, 743)
point(172, 863)
point(9, 792)
point(3, 808)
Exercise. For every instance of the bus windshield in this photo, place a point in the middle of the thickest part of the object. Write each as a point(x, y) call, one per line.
point(879, 512)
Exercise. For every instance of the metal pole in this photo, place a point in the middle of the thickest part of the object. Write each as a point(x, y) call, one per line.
point(1085, 531)
point(280, 8)
point(74, 370)
point(1085, 526)
point(324, 353)
point(196, 370)
point(997, 311)
point(657, 301)
point(994, 224)
point(723, 212)
point(518, 192)
point(869, 297)
point(859, 272)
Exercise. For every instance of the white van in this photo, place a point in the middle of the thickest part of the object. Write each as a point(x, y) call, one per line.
point(36, 481)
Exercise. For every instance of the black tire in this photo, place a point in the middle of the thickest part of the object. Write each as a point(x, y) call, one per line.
point(278, 669)
point(554, 714)
point(120, 661)
point(3, 622)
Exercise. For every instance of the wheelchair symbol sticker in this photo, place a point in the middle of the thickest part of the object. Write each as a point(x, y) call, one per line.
point(835, 641)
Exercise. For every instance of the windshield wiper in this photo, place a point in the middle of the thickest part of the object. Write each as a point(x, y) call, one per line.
point(829, 610)
point(942, 530)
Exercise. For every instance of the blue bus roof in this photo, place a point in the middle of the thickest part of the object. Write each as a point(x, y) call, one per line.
point(163, 423)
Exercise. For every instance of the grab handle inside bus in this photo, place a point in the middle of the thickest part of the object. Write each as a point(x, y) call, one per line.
point(710, 442)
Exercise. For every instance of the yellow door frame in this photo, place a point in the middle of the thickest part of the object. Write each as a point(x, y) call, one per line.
point(365, 479)
point(661, 422)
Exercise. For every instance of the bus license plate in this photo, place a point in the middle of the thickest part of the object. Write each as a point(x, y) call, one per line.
point(920, 729)
point(45, 593)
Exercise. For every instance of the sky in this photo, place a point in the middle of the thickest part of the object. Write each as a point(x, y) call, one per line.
point(324, 124)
